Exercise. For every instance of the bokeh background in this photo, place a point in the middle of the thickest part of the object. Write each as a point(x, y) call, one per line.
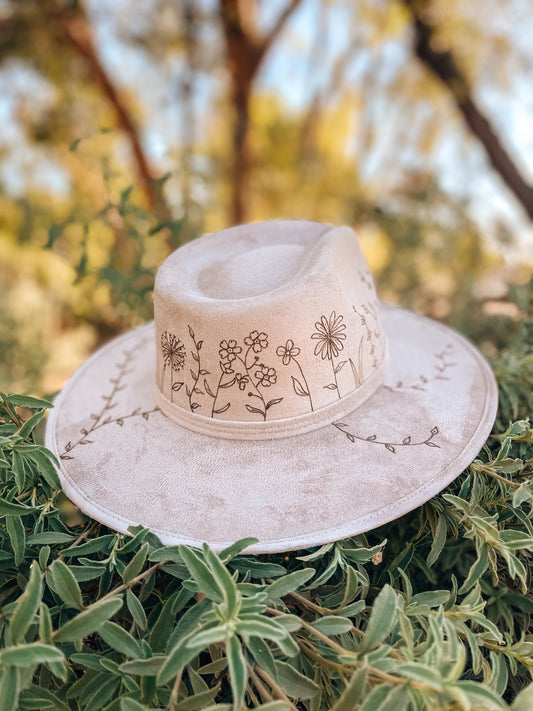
point(130, 127)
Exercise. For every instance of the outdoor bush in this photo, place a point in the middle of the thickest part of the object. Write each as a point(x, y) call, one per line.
point(432, 611)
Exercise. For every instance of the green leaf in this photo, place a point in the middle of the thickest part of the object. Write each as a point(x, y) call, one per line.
point(231, 551)
point(121, 640)
point(201, 574)
point(422, 672)
point(96, 545)
point(262, 654)
point(439, 540)
point(516, 540)
point(522, 494)
point(524, 700)
point(32, 403)
point(36, 698)
point(293, 683)
point(9, 688)
point(45, 624)
point(102, 693)
point(477, 569)
point(238, 674)
point(353, 692)
point(31, 424)
point(27, 605)
point(382, 620)
point(257, 569)
point(17, 537)
point(49, 538)
point(7, 508)
point(83, 573)
point(87, 621)
point(44, 466)
point(131, 705)
point(65, 584)
point(332, 624)
point(478, 694)
point(28, 655)
point(144, 667)
point(135, 565)
point(289, 583)
point(179, 656)
point(136, 609)
point(224, 582)
point(199, 700)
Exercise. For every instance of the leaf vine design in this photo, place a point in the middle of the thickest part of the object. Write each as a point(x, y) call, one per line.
point(440, 368)
point(330, 336)
point(196, 373)
point(390, 446)
point(289, 353)
point(102, 418)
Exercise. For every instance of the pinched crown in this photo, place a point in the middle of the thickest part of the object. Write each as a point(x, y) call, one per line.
point(267, 330)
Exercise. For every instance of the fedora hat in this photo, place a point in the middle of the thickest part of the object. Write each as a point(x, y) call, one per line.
point(273, 396)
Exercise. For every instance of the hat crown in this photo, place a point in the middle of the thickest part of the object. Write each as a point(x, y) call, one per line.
point(268, 323)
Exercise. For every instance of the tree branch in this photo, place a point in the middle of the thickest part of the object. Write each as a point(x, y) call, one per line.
point(443, 65)
point(77, 29)
point(245, 51)
point(280, 23)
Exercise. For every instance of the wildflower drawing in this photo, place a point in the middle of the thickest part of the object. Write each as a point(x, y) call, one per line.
point(288, 354)
point(246, 372)
point(173, 352)
point(330, 335)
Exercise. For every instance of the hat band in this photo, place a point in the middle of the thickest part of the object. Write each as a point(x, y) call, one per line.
point(274, 429)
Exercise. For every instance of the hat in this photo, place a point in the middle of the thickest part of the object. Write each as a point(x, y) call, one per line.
point(273, 396)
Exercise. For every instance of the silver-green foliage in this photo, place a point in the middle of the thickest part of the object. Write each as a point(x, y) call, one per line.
point(429, 612)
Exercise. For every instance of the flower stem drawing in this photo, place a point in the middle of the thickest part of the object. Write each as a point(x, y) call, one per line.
point(330, 336)
point(102, 419)
point(173, 352)
point(289, 353)
point(390, 446)
point(195, 374)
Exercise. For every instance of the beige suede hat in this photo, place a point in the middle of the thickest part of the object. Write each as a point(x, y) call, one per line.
point(273, 396)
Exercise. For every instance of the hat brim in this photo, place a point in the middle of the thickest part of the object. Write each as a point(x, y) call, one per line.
point(124, 463)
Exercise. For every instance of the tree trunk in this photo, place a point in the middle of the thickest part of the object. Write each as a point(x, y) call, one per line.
point(443, 65)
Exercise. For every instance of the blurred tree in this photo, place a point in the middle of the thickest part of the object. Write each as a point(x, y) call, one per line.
point(246, 48)
point(331, 117)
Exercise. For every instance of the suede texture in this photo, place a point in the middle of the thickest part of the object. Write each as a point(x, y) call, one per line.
point(124, 462)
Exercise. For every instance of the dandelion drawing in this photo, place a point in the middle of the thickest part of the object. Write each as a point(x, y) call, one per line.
point(173, 352)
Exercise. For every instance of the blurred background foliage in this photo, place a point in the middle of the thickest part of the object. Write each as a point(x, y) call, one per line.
point(131, 127)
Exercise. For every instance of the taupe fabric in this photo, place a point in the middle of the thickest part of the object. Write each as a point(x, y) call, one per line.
point(124, 462)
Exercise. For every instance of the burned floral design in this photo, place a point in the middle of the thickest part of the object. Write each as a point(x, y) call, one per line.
point(103, 418)
point(330, 336)
point(407, 441)
point(225, 367)
point(441, 366)
point(257, 341)
point(265, 376)
point(242, 381)
point(287, 352)
point(173, 351)
point(229, 350)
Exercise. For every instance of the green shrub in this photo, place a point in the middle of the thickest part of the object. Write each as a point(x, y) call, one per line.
point(432, 611)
